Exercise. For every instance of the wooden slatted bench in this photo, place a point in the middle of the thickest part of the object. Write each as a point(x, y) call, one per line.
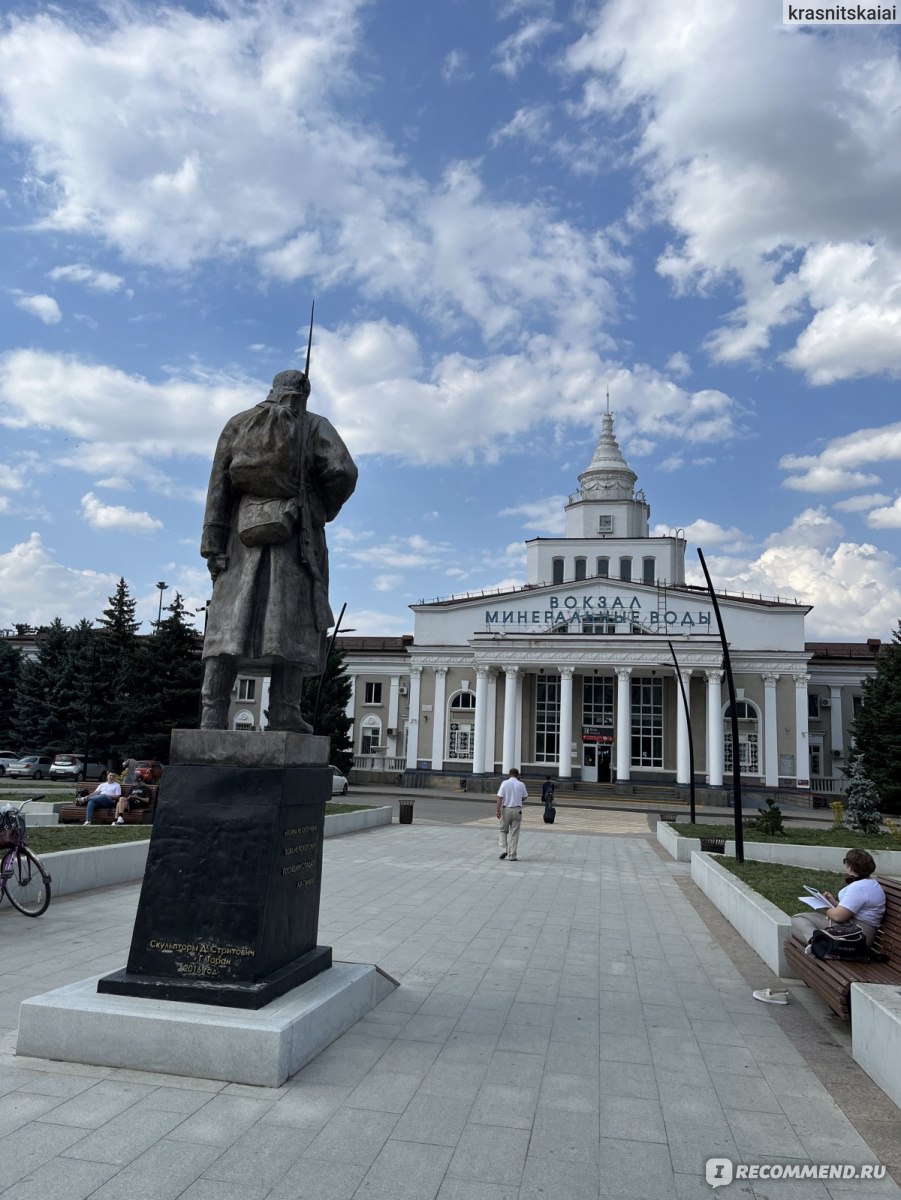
point(73, 814)
point(832, 979)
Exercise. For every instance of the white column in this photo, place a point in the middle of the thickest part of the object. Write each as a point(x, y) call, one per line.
point(683, 758)
point(414, 718)
point(478, 736)
point(349, 709)
point(511, 687)
point(565, 764)
point(264, 701)
point(835, 725)
point(770, 732)
point(715, 728)
point(517, 744)
point(438, 711)
point(623, 722)
point(393, 716)
point(802, 744)
point(491, 721)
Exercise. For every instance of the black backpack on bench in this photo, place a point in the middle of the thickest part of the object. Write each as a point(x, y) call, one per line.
point(844, 942)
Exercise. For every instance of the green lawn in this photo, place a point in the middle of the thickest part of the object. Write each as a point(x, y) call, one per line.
point(782, 885)
point(44, 839)
point(801, 837)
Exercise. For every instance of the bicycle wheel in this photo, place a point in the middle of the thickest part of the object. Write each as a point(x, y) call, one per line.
point(27, 884)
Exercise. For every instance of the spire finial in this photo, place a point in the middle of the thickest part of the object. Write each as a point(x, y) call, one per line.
point(608, 398)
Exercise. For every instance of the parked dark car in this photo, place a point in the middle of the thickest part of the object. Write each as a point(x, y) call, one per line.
point(148, 770)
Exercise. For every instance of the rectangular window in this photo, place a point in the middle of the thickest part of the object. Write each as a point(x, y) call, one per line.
point(748, 753)
point(547, 719)
point(247, 689)
point(856, 704)
point(369, 739)
point(459, 740)
point(597, 701)
point(647, 722)
point(604, 567)
point(580, 568)
point(625, 569)
point(648, 570)
point(813, 705)
point(372, 693)
point(557, 568)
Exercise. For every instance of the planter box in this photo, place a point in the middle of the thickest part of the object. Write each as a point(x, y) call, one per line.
point(102, 866)
point(876, 1034)
point(820, 858)
point(763, 926)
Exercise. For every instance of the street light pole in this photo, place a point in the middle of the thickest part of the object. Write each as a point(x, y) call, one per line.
point(163, 586)
point(691, 741)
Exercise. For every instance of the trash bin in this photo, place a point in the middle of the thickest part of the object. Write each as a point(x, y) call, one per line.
point(713, 845)
point(405, 810)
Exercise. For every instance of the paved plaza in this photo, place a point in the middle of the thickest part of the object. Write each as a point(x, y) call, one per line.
point(575, 1025)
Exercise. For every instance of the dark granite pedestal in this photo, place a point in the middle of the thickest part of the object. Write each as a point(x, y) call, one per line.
point(229, 908)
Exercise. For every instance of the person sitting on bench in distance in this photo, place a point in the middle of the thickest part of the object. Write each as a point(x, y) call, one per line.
point(108, 795)
point(861, 899)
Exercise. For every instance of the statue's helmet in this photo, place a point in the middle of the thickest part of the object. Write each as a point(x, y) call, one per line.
point(291, 382)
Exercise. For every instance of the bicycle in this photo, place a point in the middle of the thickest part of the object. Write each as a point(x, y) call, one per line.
point(23, 877)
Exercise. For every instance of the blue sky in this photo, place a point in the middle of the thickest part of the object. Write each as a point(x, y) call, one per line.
point(502, 208)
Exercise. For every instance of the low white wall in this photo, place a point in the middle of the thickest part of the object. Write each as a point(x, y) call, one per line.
point(101, 866)
point(763, 926)
point(876, 1034)
point(820, 858)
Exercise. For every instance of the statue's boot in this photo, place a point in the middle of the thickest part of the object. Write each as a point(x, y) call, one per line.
point(285, 691)
point(215, 693)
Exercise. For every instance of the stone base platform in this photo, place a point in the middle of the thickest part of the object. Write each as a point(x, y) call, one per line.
point(262, 1047)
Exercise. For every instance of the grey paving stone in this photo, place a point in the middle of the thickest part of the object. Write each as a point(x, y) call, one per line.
point(434, 1120)
point(647, 1173)
point(217, 1189)
point(424, 1027)
point(175, 1100)
point(29, 1147)
point(627, 1079)
point(734, 1060)
point(631, 1117)
point(467, 1189)
point(489, 1155)
point(460, 1080)
point(353, 1135)
point(508, 1066)
point(524, 1039)
point(696, 1187)
point(387, 1091)
point(221, 1121)
point(408, 1058)
point(161, 1173)
point(106, 1100)
point(690, 1146)
point(405, 1171)
point(550, 1178)
point(765, 1133)
point(571, 1093)
point(511, 1106)
point(319, 1179)
point(65, 1179)
point(64, 1086)
point(126, 1136)
point(469, 1047)
point(569, 1136)
point(441, 1004)
point(749, 1092)
point(262, 1156)
point(629, 1049)
point(19, 1108)
point(722, 1033)
point(306, 1107)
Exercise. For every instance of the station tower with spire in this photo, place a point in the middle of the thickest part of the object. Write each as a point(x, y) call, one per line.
point(607, 529)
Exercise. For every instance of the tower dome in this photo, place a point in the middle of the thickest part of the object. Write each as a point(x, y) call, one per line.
point(608, 475)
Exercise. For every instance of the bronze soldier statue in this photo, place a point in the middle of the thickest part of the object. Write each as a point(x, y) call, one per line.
point(279, 475)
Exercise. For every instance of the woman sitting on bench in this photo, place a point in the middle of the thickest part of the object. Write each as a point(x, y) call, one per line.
point(108, 795)
point(861, 899)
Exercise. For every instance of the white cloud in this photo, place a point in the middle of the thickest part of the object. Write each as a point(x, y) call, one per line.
point(34, 588)
point(456, 66)
point(378, 624)
point(114, 516)
point(854, 587)
point(862, 503)
point(45, 308)
point(98, 281)
point(515, 51)
point(545, 516)
point(764, 150)
point(888, 517)
point(835, 468)
point(387, 583)
point(679, 364)
point(708, 533)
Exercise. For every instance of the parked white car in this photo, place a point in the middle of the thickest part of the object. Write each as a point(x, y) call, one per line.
point(30, 766)
point(339, 783)
point(7, 757)
point(71, 766)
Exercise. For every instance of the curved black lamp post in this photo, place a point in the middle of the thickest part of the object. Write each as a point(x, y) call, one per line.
point(691, 741)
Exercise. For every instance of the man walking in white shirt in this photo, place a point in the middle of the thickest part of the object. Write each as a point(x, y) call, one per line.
point(511, 796)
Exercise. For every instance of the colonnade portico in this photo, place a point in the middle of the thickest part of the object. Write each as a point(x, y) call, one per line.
point(494, 748)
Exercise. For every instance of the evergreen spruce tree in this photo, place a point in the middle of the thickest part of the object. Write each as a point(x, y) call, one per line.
point(332, 721)
point(168, 667)
point(862, 806)
point(10, 668)
point(43, 700)
point(877, 727)
point(115, 680)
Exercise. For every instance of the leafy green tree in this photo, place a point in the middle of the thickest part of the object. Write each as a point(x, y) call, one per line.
point(877, 727)
point(167, 671)
point(10, 669)
point(333, 721)
point(862, 807)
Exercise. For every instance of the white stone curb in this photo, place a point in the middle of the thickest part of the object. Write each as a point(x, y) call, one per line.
point(820, 858)
point(102, 866)
point(876, 1034)
point(763, 926)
